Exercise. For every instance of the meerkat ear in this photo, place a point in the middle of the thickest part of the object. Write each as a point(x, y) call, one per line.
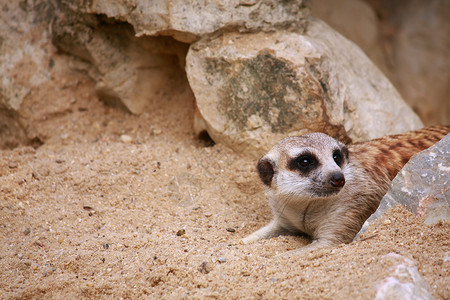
point(266, 170)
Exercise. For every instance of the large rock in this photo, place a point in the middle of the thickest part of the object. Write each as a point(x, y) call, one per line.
point(254, 89)
point(130, 65)
point(404, 282)
point(188, 21)
point(422, 186)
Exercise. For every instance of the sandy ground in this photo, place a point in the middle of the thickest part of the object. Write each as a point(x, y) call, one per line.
point(91, 213)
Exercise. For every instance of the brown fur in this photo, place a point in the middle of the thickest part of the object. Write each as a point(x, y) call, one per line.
point(385, 156)
point(335, 217)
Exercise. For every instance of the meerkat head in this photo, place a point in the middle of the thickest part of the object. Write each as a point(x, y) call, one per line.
point(307, 166)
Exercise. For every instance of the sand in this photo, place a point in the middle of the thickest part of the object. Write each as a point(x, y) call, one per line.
point(114, 205)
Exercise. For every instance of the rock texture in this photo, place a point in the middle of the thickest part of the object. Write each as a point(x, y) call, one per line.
point(417, 39)
point(129, 64)
point(188, 21)
point(128, 71)
point(422, 186)
point(405, 281)
point(357, 21)
point(24, 65)
point(254, 89)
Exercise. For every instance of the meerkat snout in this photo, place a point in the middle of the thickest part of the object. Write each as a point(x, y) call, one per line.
point(337, 179)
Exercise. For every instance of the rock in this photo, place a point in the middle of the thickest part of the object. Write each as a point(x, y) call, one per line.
point(254, 89)
point(24, 58)
point(126, 139)
point(416, 41)
point(405, 281)
point(357, 21)
point(421, 186)
point(129, 71)
point(187, 21)
point(222, 260)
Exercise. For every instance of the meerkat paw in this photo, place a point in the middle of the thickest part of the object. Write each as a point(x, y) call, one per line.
point(250, 238)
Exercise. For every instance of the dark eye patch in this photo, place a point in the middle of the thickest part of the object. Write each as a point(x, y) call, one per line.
point(304, 163)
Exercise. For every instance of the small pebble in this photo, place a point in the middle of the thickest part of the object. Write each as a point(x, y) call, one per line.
point(157, 131)
point(231, 229)
point(106, 246)
point(387, 222)
point(181, 232)
point(126, 138)
point(222, 259)
point(27, 231)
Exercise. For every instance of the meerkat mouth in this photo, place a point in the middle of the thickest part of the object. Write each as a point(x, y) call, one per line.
point(325, 192)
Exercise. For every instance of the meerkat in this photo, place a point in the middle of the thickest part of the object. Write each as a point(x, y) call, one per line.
point(320, 187)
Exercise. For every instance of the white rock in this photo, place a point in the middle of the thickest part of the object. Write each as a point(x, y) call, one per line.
point(405, 282)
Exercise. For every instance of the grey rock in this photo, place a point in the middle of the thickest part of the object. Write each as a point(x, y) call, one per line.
point(254, 89)
point(404, 281)
point(422, 186)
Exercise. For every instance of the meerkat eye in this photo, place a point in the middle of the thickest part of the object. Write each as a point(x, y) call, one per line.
point(338, 158)
point(305, 162)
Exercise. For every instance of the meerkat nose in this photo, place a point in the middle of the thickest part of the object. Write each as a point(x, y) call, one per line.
point(337, 179)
